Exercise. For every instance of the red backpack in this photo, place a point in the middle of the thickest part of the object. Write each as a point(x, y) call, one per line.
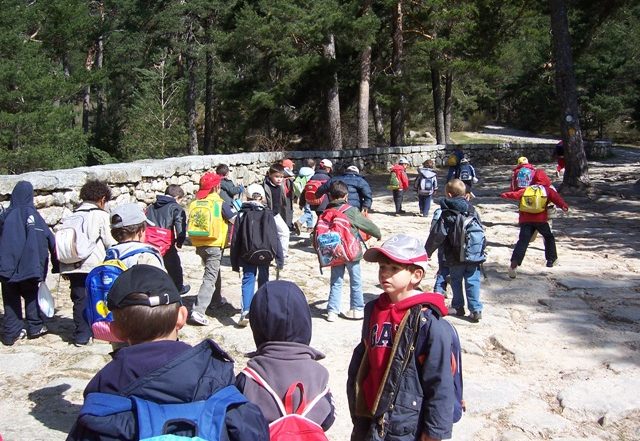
point(161, 238)
point(310, 192)
point(334, 238)
point(293, 425)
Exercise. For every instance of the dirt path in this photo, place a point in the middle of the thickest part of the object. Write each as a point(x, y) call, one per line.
point(557, 355)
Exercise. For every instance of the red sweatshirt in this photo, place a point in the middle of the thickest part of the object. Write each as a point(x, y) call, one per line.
point(539, 178)
point(383, 325)
point(398, 169)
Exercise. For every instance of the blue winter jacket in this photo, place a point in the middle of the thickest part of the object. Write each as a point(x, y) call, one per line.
point(359, 189)
point(167, 372)
point(25, 239)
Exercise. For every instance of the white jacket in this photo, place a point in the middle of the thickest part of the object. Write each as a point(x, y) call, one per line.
point(99, 232)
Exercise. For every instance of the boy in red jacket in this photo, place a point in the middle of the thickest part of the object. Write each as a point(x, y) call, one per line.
point(531, 222)
point(403, 180)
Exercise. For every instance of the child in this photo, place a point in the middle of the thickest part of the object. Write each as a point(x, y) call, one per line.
point(426, 184)
point(304, 175)
point(360, 195)
point(453, 161)
point(147, 314)
point(254, 227)
point(403, 184)
point(322, 175)
point(25, 244)
point(532, 222)
point(228, 191)
point(558, 153)
point(281, 326)
point(210, 249)
point(276, 200)
point(467, 174)
point(441, 234)
point(522, 174)
point(94, 195)
point(415, 400)
point(128, 225)
point(166, 212)
point(338, 192)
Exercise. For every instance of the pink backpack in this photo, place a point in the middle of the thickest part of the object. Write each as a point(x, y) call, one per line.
point(293, 425)
point(334, 238)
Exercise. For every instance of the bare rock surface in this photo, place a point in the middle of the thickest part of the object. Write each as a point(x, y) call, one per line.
point(556, 356)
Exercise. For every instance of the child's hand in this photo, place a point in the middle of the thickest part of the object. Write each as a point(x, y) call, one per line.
point(565, 209)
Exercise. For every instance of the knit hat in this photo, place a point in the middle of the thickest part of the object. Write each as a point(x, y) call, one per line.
point(400, 248)
point(207, 182)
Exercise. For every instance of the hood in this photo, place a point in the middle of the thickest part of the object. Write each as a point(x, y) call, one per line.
point(306, 171)
point(434, 299)
point(397, 167)
point(252, 206)
point(279, 312)
point(426, 172)
point(22, 195)
point(458, 203)
point(175, 380)
point(163, 200)
point(541, 178)
point(527, 165)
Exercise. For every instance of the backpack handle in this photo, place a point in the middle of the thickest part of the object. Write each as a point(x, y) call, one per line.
point(288, 399)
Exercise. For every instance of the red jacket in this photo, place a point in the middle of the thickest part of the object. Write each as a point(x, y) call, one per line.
point(539, 178)
point(398, 169)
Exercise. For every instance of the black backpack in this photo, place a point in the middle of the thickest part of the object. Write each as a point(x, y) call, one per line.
point(257, 234)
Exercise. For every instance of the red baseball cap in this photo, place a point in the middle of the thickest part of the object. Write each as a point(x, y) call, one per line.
point(288, 163)
point(207, 182)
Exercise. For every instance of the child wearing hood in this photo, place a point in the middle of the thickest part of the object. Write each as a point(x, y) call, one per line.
point(400, 170)
point(385, 371)
point(426, 184)
point(280, 320)
point(532, 222)
point(25, 244)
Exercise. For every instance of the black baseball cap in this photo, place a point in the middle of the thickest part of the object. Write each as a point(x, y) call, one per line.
point(143, 279)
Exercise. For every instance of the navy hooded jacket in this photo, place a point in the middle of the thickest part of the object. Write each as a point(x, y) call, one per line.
point(25, 239)
point(359, 189)
point(167, 372)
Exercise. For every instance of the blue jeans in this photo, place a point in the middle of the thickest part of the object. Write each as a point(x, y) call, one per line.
point(355, 283)
point(307, 216)
point(441, 280)
point(470, 273)
point(424, 203)
point(249, 282)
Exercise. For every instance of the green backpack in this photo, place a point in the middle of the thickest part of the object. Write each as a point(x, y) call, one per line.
point(394, 182)
point(298, 185)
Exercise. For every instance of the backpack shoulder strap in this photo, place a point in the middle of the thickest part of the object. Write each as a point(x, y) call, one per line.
point(141, 250)
point(101, 404)
point(344, 207)
point(261, 382)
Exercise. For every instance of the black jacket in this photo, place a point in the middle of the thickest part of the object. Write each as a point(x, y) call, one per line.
point(418, 395)
point(438, 235)
point(167, 372)
point(228, 190)
point(359, 189)
point(165, 212)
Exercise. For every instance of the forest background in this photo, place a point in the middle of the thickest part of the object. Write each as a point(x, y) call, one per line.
point(100, 81)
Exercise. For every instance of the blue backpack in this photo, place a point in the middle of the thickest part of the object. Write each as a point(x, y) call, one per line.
point(467, 236)
point(465, 173)
point(98, 282)
point(199, 420)
point(524, 177)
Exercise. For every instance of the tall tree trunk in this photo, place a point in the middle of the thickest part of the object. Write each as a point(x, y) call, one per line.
point(436, 91)
point(363, 99)
point(208, 107)
point(448, 104)
point(192, 115)
point(377, 120)
point(577, 172)
point(398, 103)
point(86, 108)
point(333, 97)
point(100, 95)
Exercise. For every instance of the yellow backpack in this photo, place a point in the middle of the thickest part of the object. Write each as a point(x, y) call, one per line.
point(534, 199)
point(452, 160)
point(205, 219)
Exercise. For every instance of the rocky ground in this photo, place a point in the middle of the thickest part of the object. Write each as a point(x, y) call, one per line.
point(556, 356)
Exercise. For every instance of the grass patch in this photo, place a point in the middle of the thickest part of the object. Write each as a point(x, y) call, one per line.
point(464, 138)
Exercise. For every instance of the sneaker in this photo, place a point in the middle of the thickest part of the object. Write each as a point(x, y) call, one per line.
point(552, 263)
point(79, 344)
point(21, 336)
point(185, 289)
point(198, 318)
point(512, 273)
point(353, 314)
point(458, 312)
point(43, 331)
point(332, 316)
point(244, 319)
point(475, 316)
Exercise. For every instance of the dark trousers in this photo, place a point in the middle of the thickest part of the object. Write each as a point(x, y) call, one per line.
point(82, 332)
point(398, 196)
point(11, 300)
point(173, 265)
point(526, 232)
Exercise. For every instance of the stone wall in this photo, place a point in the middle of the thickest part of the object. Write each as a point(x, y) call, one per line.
point(57, 190)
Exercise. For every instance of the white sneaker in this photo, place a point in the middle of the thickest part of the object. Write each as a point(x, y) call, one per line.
point(244, 319)
point(512, 273)
point(353, 314)
point(332, 316)
point(199, 318)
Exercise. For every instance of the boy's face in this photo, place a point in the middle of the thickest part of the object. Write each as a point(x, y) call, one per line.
point(276, 178)
point(397, 278)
